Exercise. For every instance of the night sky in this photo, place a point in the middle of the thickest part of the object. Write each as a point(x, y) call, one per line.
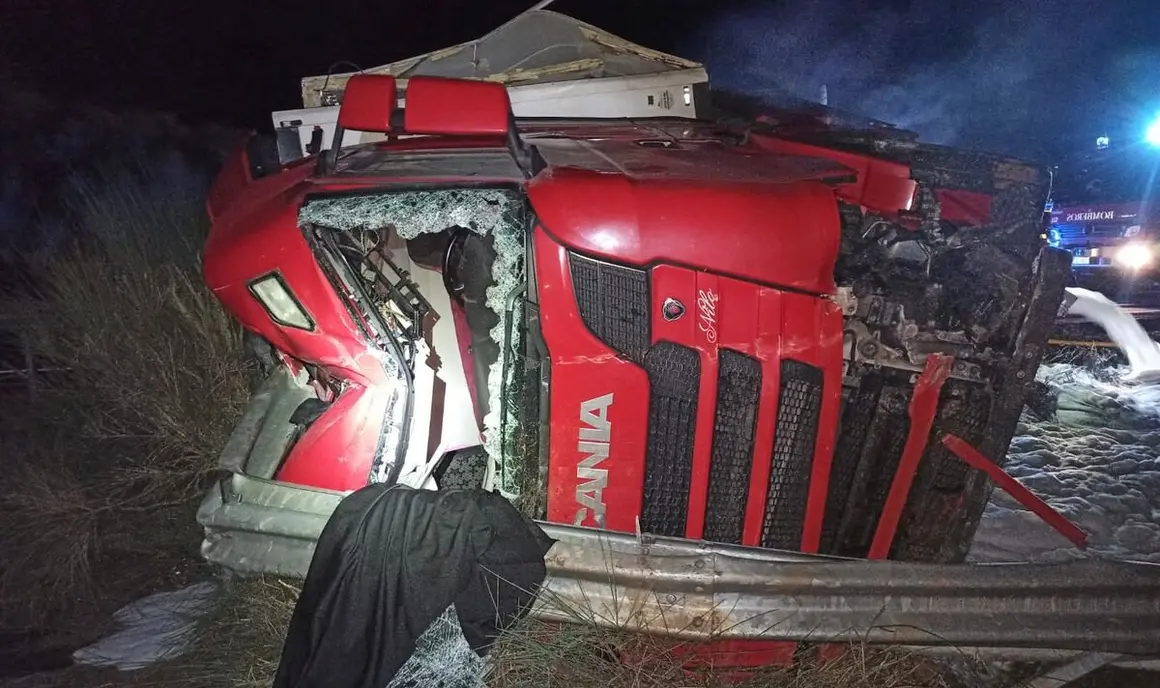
point(1030, 77)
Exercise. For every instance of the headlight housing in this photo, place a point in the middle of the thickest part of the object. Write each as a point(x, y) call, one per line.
point(271, 291)
point(1134, 256)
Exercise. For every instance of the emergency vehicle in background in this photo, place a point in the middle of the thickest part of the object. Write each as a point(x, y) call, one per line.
point(1114, 235)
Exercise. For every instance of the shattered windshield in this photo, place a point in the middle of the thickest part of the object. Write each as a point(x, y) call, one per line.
point(370, 234)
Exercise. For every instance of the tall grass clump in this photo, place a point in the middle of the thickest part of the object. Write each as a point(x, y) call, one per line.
point(104, 459)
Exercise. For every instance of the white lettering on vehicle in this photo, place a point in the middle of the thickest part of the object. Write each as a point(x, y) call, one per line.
point(707, 313)
point(1093, 215)
point(595, 435)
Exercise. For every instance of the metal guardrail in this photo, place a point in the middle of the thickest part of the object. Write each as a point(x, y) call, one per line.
point(30, 379)
point(699, 590)
point(28, 372)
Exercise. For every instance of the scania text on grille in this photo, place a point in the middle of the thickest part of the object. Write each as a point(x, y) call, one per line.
point(595, 435)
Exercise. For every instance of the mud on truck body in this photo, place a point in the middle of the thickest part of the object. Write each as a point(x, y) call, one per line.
point(658, 327)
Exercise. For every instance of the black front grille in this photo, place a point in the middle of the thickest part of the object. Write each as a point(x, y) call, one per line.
point(614, 304)
point(674, 374)
point(878, 462)
point(935, 497)
point(738, 396)
point(858, 407)
point(795, 435)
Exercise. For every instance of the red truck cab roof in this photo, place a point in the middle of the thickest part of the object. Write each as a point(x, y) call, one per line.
point(640, 192)
point(644, 192)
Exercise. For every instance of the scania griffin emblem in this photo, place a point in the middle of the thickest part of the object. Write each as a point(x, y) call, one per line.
point(672, 310)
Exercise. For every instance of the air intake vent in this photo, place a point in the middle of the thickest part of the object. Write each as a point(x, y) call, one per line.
point(614, 304)
point(858, 408)
point(799, 405)
point(674, 374)
point(879, 456)
point(738, 395)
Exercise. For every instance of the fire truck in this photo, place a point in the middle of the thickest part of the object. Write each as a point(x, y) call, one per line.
point(1121, 236)
point(1102, 212)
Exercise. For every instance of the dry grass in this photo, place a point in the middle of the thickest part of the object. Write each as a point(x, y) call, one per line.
point(536, 653)
point(103, 465)
point(242, 642)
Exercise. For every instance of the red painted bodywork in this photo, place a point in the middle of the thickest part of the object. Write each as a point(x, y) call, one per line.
point(367, 103)
point(256, 235)
point(765, 245)
point(347, 434)
point(776, 234)
point(585, 368)
point(255, 232)
point(880, 184)
point(440, 106)
point(883, 185)
point(969, 208)
point(743, 657)
point(1030, 501)
point(770, 325)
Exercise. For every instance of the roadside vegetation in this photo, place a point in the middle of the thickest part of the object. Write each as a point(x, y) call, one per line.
point(106, 446)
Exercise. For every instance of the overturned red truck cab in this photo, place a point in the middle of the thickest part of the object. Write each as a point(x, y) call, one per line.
point(747, 334)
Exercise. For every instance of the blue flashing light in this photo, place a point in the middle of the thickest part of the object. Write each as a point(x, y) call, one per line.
point(1152, 136)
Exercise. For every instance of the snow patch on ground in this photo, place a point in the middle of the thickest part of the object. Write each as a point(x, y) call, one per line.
point(152, 628)
point(1097, 462)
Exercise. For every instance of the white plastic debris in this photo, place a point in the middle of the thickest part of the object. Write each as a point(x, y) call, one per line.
point(1143, 354)
point(152, 628)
